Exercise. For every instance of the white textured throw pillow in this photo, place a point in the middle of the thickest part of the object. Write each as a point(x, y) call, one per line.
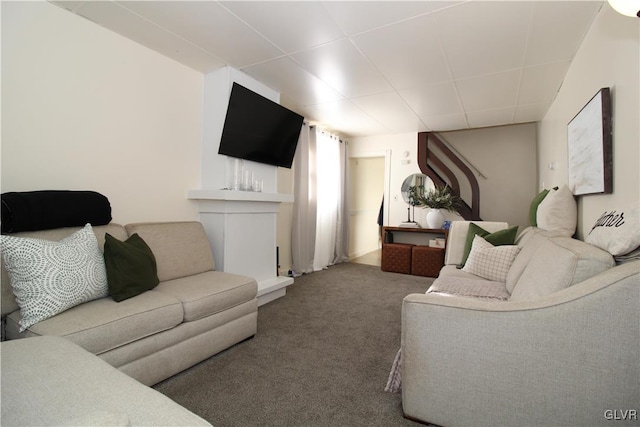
point(558, 211)
point(488, 261)
point(50, 277)
point(617, 231)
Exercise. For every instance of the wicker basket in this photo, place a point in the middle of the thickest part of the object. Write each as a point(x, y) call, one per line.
point(426, 261)
point(396, 258)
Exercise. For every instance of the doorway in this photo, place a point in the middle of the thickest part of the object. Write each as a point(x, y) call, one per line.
point(366, 191)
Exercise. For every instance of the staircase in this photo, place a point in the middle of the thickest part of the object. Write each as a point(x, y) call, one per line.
point(444, 167)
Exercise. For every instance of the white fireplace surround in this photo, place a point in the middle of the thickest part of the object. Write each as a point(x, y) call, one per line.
point(241, 225)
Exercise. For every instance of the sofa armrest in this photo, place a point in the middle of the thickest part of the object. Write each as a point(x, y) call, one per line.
point(563, 360)
point(457, 237)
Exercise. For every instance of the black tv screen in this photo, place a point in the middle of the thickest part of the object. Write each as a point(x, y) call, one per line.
point(258, 129)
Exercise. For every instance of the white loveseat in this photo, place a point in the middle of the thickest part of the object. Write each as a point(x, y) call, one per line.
point(558, 343)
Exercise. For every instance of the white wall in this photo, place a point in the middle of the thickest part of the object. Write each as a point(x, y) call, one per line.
point(86, 109)
point(608, 57)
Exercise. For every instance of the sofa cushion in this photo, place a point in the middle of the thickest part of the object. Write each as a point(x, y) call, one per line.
point(617, 231)
point(208, 293)
point(104, 324)
point(181, 248)
point(501, 237)
point(490, 262)
point(558, 211)
point(558, 263)
point(131, 267)
point(9, 304)
point(528, 241)
point(50, 277)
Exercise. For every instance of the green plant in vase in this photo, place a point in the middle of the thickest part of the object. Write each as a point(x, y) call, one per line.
point(440, 198)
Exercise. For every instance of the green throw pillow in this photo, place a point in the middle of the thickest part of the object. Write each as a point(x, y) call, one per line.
point(533, 209)
point(131, 267)
point(497, 238)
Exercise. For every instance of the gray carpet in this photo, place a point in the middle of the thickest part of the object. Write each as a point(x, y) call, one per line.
point(321, 356)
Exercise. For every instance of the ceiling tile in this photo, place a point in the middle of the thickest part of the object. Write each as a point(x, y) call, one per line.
point(407, 53)
point(446, 122)
point(530, 113)
point(484, 37)
point(290, 25)
point(434, 6)
point(490, 91)
point(433, 100)
point(486, 118)
point(292, 80)
point(532, 92)
point(344, 116)
point(390, 110)
point(358, 16)
point(210, 26)
point(554, 37)
point(73, 6)
point(343, 67)
point(111, 15)
point(369, 67)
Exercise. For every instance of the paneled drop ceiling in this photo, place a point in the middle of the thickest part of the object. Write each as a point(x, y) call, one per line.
point(365, 68)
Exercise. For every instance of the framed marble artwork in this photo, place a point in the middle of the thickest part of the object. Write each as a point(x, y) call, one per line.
point(590, 147)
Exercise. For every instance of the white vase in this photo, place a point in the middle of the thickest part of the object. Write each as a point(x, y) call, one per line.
point(435, 218)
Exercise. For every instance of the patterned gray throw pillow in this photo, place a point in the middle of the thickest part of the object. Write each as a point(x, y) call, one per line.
point(50, 277)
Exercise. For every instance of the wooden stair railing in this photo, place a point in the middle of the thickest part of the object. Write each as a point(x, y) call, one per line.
point(430, 164)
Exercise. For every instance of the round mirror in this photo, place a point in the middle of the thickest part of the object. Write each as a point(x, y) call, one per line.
point(416, 184)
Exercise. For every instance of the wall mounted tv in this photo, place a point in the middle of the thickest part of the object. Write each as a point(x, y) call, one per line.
point(258, 129)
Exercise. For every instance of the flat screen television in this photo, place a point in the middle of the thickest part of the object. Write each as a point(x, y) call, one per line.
point(258, 129)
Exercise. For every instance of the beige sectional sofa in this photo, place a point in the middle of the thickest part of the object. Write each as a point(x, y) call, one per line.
point(50, 381)
point(555, 343)
point(192, 314)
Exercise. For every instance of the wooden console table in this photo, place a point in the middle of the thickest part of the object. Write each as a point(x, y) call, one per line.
point(406, 250)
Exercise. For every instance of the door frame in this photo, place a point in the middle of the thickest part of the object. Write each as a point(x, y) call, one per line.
point(387, 177)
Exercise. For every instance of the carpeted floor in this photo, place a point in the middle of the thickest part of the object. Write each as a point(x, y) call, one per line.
point(321, 356)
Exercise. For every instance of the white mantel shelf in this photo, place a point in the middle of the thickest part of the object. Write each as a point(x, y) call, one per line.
point(239, 196)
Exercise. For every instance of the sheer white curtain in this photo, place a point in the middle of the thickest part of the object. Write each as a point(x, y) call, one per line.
point(328, 159)
point(303, 234)
point(342, 220)
point(320, 226)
